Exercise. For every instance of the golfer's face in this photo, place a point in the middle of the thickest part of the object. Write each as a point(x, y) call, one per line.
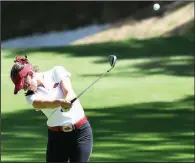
point(30, 83)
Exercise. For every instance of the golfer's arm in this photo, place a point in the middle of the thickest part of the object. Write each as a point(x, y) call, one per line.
point(46, 104)
point(67, 89)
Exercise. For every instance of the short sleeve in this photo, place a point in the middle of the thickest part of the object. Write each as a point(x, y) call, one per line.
point(60, 73)
point(30, 99)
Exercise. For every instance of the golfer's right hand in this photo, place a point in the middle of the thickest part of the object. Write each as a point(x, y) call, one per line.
point(66, 105)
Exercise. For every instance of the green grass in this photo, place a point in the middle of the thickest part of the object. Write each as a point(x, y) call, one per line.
point(141, 111)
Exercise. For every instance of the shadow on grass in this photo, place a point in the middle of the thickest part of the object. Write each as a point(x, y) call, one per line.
point(129, 49)
point(154, 49)
point(156, 131)
point(165, 66)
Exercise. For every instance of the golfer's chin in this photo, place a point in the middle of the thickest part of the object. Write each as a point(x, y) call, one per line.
point(33, 90)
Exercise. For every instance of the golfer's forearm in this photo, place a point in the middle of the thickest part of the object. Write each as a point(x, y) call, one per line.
point(70, 95)
point(47, 104)
point(67, 89)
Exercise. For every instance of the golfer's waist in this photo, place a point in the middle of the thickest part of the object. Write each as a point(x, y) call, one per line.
point(78, 124)
point(59, 118)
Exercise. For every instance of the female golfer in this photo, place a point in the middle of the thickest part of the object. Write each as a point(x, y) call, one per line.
point(69, 132)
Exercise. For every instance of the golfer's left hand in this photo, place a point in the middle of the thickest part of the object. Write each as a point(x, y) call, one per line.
point(66, 105)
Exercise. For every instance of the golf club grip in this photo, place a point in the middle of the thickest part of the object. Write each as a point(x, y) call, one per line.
point(73, 100)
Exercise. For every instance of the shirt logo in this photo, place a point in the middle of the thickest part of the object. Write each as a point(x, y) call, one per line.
point(55, 85)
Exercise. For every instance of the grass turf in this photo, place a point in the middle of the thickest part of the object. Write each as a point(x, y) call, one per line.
point(141, 111)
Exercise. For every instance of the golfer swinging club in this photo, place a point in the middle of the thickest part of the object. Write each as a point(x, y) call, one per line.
point(69, 132)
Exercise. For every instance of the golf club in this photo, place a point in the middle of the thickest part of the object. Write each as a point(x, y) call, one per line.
point(112, 60)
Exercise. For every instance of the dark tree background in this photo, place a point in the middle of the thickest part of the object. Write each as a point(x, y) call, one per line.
point(28, 17)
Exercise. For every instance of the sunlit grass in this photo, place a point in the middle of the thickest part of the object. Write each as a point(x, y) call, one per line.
point(141, 111)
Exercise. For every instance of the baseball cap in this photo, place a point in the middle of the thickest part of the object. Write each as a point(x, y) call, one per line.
point(19, 79)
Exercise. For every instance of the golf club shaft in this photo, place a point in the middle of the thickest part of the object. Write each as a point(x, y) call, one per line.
point(90, 86)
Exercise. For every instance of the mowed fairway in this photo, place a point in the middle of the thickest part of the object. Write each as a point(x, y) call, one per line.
point(141, 111)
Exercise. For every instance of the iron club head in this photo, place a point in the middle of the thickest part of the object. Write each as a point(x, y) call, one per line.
point(112, 60)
